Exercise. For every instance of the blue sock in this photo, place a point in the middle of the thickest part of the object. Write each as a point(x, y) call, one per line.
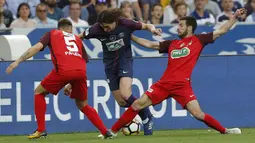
point(144, 113)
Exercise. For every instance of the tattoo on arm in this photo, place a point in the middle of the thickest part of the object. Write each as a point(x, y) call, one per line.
point(25, 55)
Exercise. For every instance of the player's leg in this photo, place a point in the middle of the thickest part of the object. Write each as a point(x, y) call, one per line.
point(155, 95)
point(145, 114)
point(131, 112)
point(117, 96)
point(79, 93)
point(93, 117)
point(123, 94)
point(113, 82)
point(194, 108)
point(185, 96)
point(52, 83)
point(40, 110)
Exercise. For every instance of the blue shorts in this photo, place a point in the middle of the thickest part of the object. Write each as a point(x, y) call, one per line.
point(113, 75)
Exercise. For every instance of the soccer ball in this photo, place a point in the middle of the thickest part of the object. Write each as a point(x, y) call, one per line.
point(132, 128)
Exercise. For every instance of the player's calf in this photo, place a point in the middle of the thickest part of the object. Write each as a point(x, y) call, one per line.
point(194, 108)
point(199, 115)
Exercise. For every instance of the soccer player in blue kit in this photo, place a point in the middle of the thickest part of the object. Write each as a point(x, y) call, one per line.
point(115, 33)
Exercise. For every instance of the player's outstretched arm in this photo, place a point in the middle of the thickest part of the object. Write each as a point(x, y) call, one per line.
point(225, 28)
point(26, 55)
point(145, 43)
point(152, 29)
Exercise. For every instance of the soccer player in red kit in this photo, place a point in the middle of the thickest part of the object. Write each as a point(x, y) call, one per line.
point(182, 57)
point(69, 59)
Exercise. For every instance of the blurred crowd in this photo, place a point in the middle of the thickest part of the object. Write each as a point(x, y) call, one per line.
point(46, 13)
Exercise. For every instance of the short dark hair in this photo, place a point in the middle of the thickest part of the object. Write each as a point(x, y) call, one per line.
point(23, 4)
point(190, 21)
point(63, 22)
point(109, 16)
point(74, 2)
point(156, 4)
point(40, 4)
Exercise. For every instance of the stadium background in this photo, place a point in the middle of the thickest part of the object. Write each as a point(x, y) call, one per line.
point(223, 84)
point(223, 81)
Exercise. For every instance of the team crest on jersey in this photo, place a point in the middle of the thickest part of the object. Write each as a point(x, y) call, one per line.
point(112, 37)
point(121, 34)
point(115, 45)
point(179, 53)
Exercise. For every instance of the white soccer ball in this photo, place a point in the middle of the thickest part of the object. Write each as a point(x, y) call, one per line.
point(132, 128)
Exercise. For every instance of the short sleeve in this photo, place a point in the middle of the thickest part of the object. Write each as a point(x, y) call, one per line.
point(205, 38)
point(164, 46)
point(92, 31)
point(86, 33)
point(45, 40)
point(131, 24)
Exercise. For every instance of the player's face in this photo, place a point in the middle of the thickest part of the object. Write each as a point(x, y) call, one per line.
point(182, 29)
point(108, 27)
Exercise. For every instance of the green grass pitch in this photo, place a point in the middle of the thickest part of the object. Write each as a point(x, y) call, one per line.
point(167, 136)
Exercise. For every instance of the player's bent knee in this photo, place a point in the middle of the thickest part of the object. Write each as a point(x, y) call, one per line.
point(81, 103)
point(125, 95)
point(40, 90)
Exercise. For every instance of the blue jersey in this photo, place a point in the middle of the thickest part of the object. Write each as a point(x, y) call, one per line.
point(117, 43)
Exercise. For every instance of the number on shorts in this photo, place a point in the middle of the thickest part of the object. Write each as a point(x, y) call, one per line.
point(70, 44)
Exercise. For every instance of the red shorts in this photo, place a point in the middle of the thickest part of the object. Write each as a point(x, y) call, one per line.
point(181, 93)
point(55, 81)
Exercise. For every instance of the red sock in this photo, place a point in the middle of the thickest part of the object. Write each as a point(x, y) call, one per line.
point(213, 123)
point(127, 116)
point(94, 118)
point(40, 110)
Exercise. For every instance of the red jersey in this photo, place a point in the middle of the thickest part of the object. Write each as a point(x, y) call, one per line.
point(67, 51)
point(182, 57)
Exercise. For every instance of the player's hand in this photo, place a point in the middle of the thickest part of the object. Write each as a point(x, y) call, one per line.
point(68, 89)
point(11, 67)
point(157, 31)
point(240, 13)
